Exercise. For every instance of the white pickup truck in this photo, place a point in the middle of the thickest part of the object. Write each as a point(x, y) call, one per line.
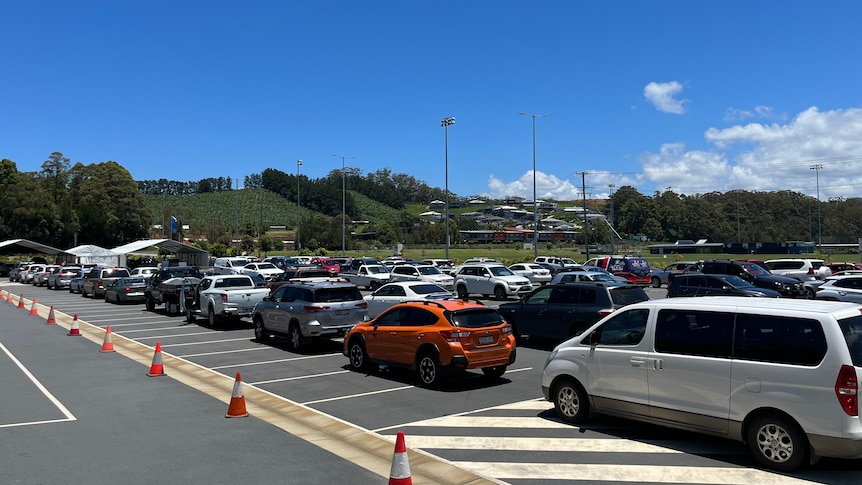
point(369, 276)
point(221, 297)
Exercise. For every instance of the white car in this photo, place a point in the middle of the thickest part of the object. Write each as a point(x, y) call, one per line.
point(144, 272)
point(267, 271)
point(536, 273)
point(799, 268)
point(420, 272)
point(490, 279)
point(394, 293)
point(841, 288)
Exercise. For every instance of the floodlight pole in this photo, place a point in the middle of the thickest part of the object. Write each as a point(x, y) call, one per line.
point(535, 204)
point(298, 213)
point(343, 206)
point(446, 123)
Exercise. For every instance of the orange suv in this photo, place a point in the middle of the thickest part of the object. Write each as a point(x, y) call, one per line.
point(434, 338)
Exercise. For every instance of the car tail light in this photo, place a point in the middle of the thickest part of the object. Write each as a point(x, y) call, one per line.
point(846, 388)
point(605, 312)
point(99, 282)
point(811, 270)
point(315, 308)
point(223, 298)
point(454, 335)
point(507, 329)
point(364, 304)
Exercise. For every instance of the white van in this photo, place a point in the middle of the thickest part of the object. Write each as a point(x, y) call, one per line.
point(777, 374)
point(232, 265)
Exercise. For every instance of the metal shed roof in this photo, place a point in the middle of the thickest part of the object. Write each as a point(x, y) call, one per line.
point(166, 244)
point(42, 248)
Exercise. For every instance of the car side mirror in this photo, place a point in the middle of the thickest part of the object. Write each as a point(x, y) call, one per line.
point(266, 298)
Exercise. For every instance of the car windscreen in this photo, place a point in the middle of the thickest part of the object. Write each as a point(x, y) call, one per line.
point(626, 295)
point(736, 281)
point(180, 273)
point(478, 318)
point(337, 294)
point(115, 273)
point(500, 271)
point(427, 289)
point(428, 270)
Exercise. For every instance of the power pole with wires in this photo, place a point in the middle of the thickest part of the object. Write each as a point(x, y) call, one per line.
point(584, 195)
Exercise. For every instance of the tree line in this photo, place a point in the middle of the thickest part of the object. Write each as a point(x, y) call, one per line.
point(101, 204)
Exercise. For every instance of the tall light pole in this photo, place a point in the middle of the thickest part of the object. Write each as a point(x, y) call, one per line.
point(343, 206)
point(817, 167)
point(298, 214)
point(535, 204)
point(446, 123)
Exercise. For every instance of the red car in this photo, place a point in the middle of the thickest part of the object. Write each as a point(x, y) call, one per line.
point(328, 264)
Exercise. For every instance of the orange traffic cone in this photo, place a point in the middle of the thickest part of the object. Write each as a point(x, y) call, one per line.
point(9, 296)
point(21, 300)
point(51, 320)
point(75, 330)
point(399, 474)
point(156, 369)
point(108, 344)
point(236, 409)
point(33, 311)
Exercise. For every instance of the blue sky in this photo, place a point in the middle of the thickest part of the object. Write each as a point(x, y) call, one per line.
point(694, 96)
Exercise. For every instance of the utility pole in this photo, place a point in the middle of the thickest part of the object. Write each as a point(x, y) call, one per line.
point(817, 168)
point(611, 197)
point(584, 195)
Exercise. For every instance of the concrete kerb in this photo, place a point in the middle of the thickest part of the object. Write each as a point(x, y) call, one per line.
point(355, 444)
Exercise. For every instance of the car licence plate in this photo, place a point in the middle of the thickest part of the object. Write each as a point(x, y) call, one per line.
point(342, 312)
point(488, 339)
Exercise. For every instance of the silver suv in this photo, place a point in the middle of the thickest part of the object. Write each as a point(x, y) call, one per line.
point(490, 279)
point(303, 311)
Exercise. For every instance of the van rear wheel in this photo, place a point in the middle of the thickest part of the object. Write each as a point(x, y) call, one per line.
point(777, 443)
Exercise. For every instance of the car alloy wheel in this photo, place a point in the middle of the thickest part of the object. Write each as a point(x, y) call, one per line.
point(428, 370)
point(294, 337)
point(211, 317)
point(259, 330)
point(570, 401)
point(777, 443)
point(358, 355)
point(462, 292)
point(499, 293)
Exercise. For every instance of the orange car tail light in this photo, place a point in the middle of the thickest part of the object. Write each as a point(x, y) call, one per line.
point(454, 335)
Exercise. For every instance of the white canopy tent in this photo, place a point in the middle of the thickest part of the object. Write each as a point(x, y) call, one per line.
point(92, 254)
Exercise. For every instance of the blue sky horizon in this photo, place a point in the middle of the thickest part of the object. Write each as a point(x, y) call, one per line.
point(692, 97)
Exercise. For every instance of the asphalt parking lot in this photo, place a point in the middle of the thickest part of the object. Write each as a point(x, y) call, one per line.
point(479, 431)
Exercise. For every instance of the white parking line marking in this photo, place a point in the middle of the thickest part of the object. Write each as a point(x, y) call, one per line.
point(205, 343)
point(627, 473)
point(276, 361)
point(382, 391)
point(162, 330)
point(221, 352)
point(58, 404)
point(309, 376)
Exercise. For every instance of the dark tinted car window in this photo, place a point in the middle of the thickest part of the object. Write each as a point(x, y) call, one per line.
point(626, 295)
point(587, 296)
point(784, 340)
point(476, 318)
point(626, 328)
point(691, 332)
point(337, 294)
point(852, 330)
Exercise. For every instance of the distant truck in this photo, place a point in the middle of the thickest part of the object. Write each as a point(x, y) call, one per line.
point(369, 276)
point(167, 284)
point(221, 297)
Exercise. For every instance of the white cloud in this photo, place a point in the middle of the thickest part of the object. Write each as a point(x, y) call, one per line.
point(773, 156)
point(766, 112)
point(751, 156)
point(661, 95)
point(547, 187)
